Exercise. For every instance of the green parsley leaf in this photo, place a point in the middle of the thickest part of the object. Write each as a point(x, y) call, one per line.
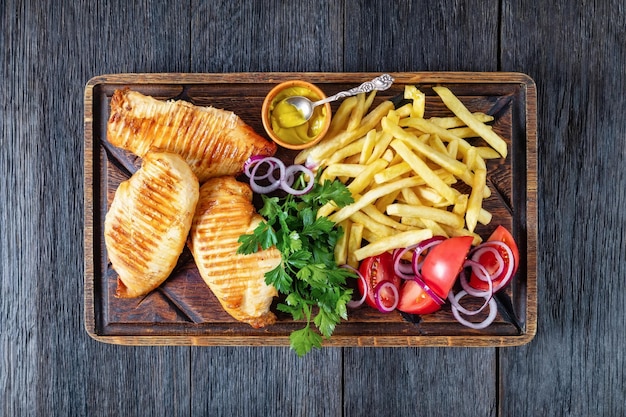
point(303, 340)
point(308, 276)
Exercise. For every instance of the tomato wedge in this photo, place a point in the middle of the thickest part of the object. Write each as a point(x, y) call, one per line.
point(375, 270)
point(414, 300)
point(443, 263)
point(489, 261)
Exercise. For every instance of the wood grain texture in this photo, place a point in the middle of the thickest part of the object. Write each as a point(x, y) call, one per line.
point(409, 36)
point(271, 381)
point(576, 364)
point(421, 35)
point(575, 53)
point(53, 368)
point(252, 36)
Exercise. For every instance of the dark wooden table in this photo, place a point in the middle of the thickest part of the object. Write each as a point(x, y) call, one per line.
point(576, 53)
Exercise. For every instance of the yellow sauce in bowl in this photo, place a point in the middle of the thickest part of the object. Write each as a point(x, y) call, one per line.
point(289, 124)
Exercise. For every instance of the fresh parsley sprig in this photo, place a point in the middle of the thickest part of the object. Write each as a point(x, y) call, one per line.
point(314, 286)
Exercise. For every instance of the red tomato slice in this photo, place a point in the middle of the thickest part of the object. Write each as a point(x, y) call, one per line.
point(488, 259)
point(414, 300)
point(375, 270)
point(443, 263)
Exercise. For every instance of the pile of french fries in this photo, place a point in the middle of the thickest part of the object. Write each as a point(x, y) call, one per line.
point(401, 168)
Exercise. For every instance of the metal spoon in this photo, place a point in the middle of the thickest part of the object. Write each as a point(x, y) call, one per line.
point(306, 106)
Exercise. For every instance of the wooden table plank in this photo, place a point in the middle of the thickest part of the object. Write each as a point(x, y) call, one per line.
point(230, 381)
point(53, 365)
point(266, 36)
point(421, 36)
point(576, 364)
point(17, 213)
point(422, 381)
point(272, 35)
point(416, 36)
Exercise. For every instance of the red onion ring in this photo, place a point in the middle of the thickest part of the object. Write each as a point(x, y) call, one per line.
point(481, 272)
point(413, 273)
point(402, 269)
point(509, 271)
point(488, 248)
point(381, 307)
point(357, 303)
point(285, 179)
point(274, 163)
point(493, 310)
point(290, 173)
point(251, 162)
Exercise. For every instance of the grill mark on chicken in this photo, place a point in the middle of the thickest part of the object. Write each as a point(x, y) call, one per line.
point(225, 212)
point(148, 222)
point(214, 142)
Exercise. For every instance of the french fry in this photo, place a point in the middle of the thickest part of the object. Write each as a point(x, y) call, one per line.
point(382, 144)
point(368, 147)
point(324, 149)
point(419, 100)
point(486, 152)
point(425, 212)
point(339, 120)
point(399, 240)
point(459, 109)
point(484, 217)
point(344, 170)
point(462, 232)
point(357, 113)
point(382, 202)
point(347, 151)
point(453, 122)
point(392, 172)
point(420, 167)
point(382, 218)
point(474, 204)
point(354, 243)
point(366, 177)
point(373, 195)
point(377, 228)
point(341, 247)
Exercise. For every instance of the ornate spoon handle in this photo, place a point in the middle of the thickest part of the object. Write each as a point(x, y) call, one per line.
point(379, 83)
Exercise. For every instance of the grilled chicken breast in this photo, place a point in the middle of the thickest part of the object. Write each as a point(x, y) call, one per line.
point(225, 212)
point(214, 142)
point(146, 228)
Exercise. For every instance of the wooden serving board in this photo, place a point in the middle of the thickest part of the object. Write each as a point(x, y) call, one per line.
point(183, 311)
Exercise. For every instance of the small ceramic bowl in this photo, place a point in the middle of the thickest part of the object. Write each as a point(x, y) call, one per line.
point(300, 137)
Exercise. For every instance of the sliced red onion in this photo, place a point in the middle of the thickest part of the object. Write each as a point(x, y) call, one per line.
point(274, 163)
point(277, 174)
point(428, 290)
point(250, 162)
point(290, 175)
point(480, 272)
point(357, 303)
point(412, 271)
point(493, 311)
point(403, 269)
point(379, 303)
point(509, 271)
point(482, 249)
